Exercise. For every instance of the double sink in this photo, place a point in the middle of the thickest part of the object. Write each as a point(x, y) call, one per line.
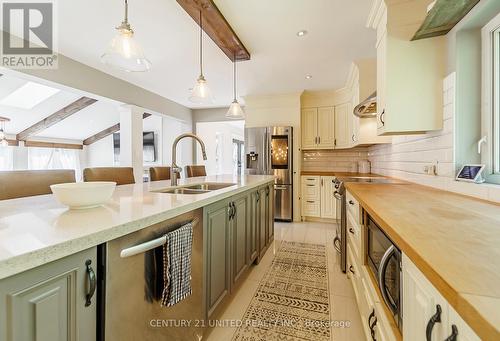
point(196, 188)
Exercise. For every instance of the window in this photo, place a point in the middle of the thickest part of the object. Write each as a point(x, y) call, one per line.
point(54, 158)
point(6, 160)
point(490, 148)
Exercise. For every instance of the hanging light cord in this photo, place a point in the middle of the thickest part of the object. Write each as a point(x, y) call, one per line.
point(201, 45)
point(234, 77)
point(126, 12)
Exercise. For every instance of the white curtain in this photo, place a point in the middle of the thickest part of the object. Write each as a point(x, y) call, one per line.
point(6, 158)
point(54, 158)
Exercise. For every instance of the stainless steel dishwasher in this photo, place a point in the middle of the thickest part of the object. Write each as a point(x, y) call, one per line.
point(125, 312)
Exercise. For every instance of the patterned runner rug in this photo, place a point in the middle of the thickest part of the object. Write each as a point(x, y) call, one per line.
point(292, 301)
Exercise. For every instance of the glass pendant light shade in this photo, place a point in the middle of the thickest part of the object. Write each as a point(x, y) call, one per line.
point(201, 93)
point(124, 52)
point(235, 111)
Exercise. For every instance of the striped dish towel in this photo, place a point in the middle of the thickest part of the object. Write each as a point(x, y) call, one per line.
point(177, 265)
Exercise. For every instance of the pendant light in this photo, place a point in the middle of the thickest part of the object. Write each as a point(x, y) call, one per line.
point(3, 138)
point(235, 111)
point(201, 94)
point(124, 52)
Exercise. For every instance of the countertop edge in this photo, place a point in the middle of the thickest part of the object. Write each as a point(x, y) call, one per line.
point(481, 326)
point(24, 262)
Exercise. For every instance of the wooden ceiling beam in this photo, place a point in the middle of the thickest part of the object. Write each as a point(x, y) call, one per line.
point(106, 132)
point(56, 117)
point(41, 144)
point(216, 27)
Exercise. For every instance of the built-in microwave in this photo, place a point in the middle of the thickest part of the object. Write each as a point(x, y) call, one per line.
point(384, 260)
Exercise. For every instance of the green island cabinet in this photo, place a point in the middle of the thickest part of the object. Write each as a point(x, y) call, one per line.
point(53, 302)
point(237, 233)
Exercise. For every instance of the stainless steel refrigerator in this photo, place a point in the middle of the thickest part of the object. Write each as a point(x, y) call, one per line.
point(269, 151)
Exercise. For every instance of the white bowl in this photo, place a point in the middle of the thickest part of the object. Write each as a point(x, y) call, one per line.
point(80, 195)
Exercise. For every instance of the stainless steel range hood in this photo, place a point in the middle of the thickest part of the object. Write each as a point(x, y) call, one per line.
point(367, 108)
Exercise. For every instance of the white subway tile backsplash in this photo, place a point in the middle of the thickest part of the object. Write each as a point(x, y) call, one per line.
point(332, 160)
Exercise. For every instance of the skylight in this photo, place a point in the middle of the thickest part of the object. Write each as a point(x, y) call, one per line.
point(28, 96)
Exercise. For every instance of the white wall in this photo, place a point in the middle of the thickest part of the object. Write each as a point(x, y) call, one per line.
point(100, 153)
point(279, 110)
point(227, 131)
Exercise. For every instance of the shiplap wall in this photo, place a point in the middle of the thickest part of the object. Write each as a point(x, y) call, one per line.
point(406, 157)
point(332, 160)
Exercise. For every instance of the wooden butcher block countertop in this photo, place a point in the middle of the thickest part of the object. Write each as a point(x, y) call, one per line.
point(453, 239)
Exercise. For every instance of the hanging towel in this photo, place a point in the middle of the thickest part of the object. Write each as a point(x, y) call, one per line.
point(177, 265)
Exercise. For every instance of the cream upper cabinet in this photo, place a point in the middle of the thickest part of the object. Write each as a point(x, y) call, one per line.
point(326, 128)
point(342, 133)
point(309, 128)
point(409, 73)
point(318, 128)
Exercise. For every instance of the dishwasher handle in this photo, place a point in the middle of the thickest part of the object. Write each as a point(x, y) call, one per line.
point(141, 248)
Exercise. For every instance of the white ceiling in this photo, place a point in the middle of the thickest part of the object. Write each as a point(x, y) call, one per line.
point(85, 123)
point(280, 60)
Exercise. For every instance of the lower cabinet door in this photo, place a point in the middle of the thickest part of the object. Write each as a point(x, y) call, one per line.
point(263, 233)
point(239, 225)
point(217, 254)
point(421, 301)
point(253, 231)
point(328, 201)
point(49, 303)
point(270, 213)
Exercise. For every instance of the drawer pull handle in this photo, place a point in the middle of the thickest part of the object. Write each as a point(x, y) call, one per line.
point(351, 230)
point(311, 202)
point(351, 269)
point(310, 185)
point(351, 202)
point(92, 283)
point(436, 318)
point(372, 329)
point(310, 179)
point(454, 334)
point(372, 315)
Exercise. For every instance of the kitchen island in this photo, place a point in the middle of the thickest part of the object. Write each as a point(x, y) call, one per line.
point(49, 253)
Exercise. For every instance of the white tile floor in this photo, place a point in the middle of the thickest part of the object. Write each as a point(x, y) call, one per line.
point(342, 300)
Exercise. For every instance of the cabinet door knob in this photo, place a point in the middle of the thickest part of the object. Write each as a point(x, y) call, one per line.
point(351, 202)
point(382, 117)
point(436, 318)
point(351, 230)
point(351, 269)
point(92, 283)
point(454, 334)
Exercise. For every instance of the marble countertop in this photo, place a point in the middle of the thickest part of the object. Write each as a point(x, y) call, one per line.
point(453, 239)
point(37, 230)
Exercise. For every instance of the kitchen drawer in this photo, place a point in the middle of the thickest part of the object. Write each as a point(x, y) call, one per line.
point(353, 207)
point(354, 234)
point(311, 208)
point(311, 180)
point(311, 192)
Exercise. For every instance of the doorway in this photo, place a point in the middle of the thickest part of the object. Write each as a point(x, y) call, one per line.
point(238, 153)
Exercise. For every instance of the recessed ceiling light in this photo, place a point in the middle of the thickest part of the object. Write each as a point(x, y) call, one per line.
point(309, 76)
point(28, 96)
point(301, 33)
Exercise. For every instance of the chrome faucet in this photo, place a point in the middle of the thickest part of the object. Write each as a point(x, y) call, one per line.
point(175, 170)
